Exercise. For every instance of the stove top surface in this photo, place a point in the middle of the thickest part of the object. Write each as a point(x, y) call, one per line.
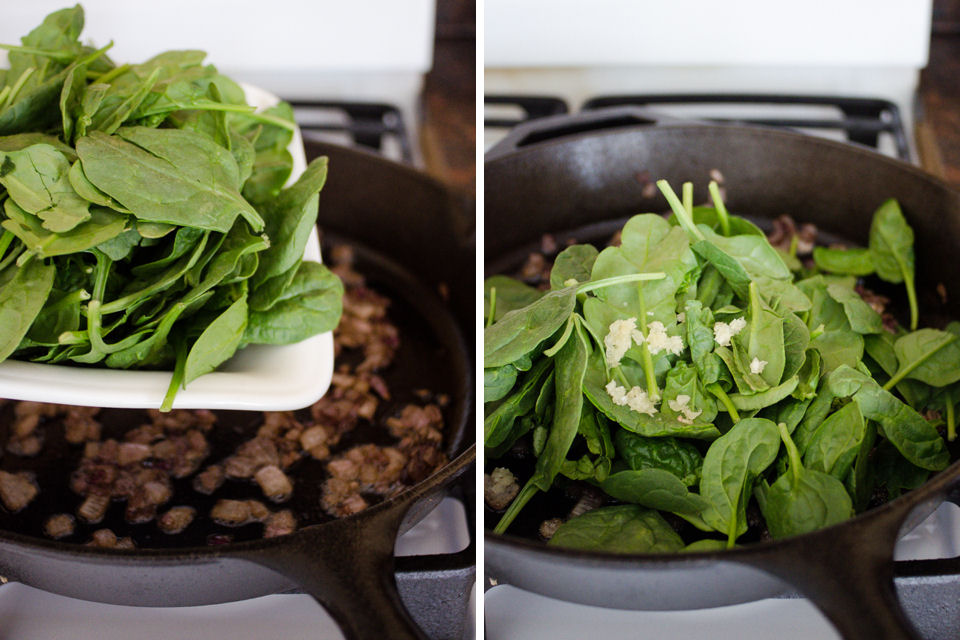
point(30, 614)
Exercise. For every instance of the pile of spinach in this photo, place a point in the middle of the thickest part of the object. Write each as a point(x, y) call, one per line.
point(145, 223)
point(782, 386)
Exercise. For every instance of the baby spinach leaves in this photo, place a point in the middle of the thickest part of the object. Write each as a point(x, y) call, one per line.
point(21, 299)
point(620, 529)
point(803, 500)
point(126, 239)
point(730, 467)
point(167, 175)
point(702, 373)
point(891, 249)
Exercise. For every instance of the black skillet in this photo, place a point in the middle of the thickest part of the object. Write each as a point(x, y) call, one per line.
point(414, 241)
point(573, 174)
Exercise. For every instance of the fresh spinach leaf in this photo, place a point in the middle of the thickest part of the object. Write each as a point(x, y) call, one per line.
point(618, 529)
point(891, 249)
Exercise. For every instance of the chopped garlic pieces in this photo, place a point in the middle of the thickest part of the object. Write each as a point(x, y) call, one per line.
point(617, 393)
point(624, 332)
point(757, 365)
point(639, 401)
point(723, 332)
point(658, 340)
point(618, 339)
point(681, 404)
point(636, 399)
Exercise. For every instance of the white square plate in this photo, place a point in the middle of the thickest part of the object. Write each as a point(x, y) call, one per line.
point(257, 378)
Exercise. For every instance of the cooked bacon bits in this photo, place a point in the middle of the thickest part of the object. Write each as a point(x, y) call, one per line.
point(176, 520)
point(17, 490)
point(279, 523)
point(209, 480)
point(107, 539)
point(231, 513)
point(784, 230)
point(26, 436)
point(140, 470)
point(274, 483)
point(60, 526)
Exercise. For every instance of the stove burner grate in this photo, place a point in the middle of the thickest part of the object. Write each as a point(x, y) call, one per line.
point(370, 125)
point(862, 120)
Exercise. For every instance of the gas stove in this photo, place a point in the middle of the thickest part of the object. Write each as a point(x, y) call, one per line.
point(931, 603)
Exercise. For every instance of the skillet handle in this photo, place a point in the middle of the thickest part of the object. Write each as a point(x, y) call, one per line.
point(541, 130)
point(848, 573)
point(347, 566)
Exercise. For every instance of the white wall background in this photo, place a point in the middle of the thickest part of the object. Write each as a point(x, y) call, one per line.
point(567, 33)
point(264, 35)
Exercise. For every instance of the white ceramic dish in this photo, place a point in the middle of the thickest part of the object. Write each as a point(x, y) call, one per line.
point(258, 378)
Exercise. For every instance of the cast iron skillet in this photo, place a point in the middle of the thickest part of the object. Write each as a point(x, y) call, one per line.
point(419, 237)
point(572, 172)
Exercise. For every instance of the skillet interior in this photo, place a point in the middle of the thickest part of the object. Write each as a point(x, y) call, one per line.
point(597, 172)
point(429, 357)
point(394, 212)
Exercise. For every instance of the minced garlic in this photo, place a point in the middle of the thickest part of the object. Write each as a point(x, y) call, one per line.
point(757, 365)
point(639, 401)
point(723, 332)
point(618, 339)
point(617, 393)
point(636, 399)
point(658, 340)
point(681, 404)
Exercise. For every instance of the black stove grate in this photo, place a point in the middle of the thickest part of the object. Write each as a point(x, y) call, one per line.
point(374, 126)
point(532, 107)
point(860, 120)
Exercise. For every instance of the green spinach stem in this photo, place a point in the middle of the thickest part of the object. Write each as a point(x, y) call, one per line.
point(721, 208)
point(176, 380)
point(686, 192)
point(653, 392)
point(17, 250)
point(59, 56)
point(912, 299)
point(796, 465)
point(568, 328)
point(12, 96)
point(622, 377)
point(685, 219)
point(250, 112)
point(109, 76)
point(905, 371)
point(528, 491)
point(121, 303)
point(609, 282)
point(493, 306)
point(725, 400)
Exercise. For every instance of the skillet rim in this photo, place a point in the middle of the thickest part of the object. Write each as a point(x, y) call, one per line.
point(901, 507)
